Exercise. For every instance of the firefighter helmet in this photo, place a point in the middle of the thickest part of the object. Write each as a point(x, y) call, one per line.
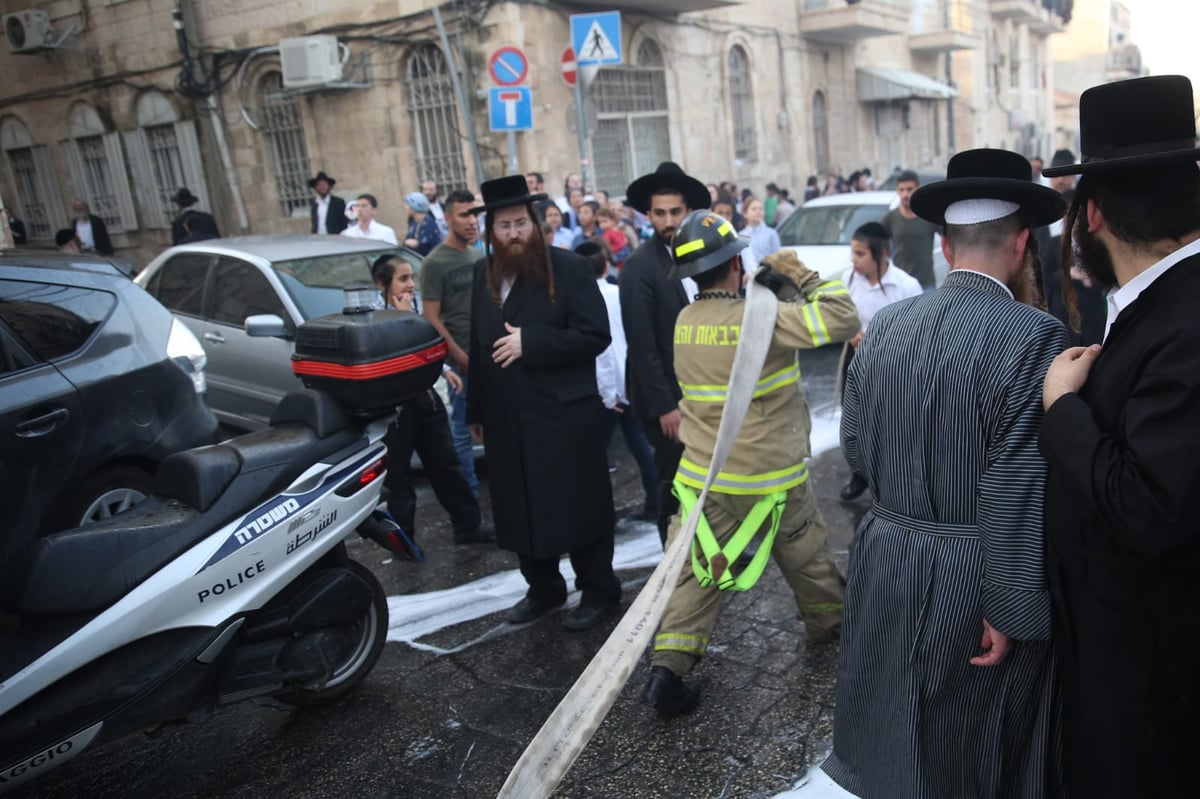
point(704, 241)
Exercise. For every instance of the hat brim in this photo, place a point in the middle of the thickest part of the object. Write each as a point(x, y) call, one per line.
point(312, 182)
point(522, 199)
point(1125, 162)
point(695, 193)
point(1043, 204)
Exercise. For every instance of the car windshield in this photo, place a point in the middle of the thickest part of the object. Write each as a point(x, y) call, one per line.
point(315, 284)
point(827, 224)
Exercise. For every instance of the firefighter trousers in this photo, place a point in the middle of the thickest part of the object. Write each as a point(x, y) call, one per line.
point(800, 550)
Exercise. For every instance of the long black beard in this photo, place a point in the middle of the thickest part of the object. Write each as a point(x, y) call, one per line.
point(1095, 258)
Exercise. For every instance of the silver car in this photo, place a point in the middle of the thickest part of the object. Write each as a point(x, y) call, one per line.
point(213, 286)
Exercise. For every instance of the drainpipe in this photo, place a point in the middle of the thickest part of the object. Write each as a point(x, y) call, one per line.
point(950, 83)
point(214, 111)
point(458, 90)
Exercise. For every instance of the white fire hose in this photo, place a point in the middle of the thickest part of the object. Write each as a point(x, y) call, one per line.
point(569, 728)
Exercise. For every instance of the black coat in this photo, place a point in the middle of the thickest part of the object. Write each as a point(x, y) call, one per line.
point(544, 425)
point(100, 235)
point(335, 217)
point(650, 301)
point(193, 225)
point(1123, 541)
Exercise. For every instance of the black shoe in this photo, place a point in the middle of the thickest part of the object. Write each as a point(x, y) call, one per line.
point(854, 489)
point(644, 515)
point(669, 694)
point(480, 535)
point(529, 609)
point(585, 617)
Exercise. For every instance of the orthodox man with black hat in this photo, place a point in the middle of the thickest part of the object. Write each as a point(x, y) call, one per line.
point(762, 492)
point(537, 324)
point(651, 298)
point(944, 685)
point(191, 225)
point(1122, 440)
point(326, 210)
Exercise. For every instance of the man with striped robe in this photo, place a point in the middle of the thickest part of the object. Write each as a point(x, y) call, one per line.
point(945, 671)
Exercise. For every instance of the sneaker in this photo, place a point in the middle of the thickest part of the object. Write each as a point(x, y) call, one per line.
point(529, 609)
point(644, 515)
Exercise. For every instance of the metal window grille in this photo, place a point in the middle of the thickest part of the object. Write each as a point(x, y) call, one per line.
point(97, 177)
point(741, 100)
point(632, 133)
point(436, 136)
point(24, 171)
point(167, 166)
point(820, 123)
point(281, 124)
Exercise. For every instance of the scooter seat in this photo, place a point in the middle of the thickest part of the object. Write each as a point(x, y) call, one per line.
point(88, 568)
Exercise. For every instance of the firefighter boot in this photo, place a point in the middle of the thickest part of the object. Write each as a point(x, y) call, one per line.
point(669, 694)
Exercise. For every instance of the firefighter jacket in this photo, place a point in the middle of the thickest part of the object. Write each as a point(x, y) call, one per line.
point(772, 446)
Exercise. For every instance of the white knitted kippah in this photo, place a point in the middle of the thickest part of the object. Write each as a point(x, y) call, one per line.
point(973, 212)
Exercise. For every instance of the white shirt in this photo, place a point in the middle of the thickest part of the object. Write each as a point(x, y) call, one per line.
point(893, 286)
point(439, 215)
point(83, 229)
point(322, 214)
point(610, 364)
point(1122, 298)
point(373, 231)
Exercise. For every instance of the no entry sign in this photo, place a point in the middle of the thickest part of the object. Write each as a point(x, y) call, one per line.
point(567, 66)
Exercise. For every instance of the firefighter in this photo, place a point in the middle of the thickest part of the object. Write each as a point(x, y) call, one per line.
point(762, 493)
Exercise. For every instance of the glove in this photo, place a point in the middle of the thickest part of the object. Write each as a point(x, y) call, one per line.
point(786, 263)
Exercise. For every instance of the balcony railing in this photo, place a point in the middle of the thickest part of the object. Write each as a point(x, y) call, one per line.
point(842, 21)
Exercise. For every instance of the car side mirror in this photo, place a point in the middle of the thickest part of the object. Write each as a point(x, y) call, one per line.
point(267, 325)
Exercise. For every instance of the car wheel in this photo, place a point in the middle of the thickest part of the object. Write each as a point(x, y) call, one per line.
point(370, 634)
point(109, 492)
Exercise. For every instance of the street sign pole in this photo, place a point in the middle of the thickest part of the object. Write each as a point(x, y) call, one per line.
point(581, 129)
point(512, 152)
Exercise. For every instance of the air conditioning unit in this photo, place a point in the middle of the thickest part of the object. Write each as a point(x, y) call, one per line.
point(27, 30)
point(310, 61)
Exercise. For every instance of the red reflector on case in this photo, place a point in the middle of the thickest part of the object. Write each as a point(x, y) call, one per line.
point(370, 371)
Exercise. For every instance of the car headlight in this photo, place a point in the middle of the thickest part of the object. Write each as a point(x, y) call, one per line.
point(184, 349)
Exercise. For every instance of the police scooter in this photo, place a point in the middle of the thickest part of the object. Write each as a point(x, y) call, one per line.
point(232, 581)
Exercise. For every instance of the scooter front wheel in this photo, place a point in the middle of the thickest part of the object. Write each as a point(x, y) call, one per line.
point(371, 634)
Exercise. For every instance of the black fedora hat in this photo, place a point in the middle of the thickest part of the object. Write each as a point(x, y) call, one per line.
point(669, 175)
point(1134, 123)
point(1062, 158)
point(185, 198)
point(988, 175)
point(506, 191)
point(321, 176)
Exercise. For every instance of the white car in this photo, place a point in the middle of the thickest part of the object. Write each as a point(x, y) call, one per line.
point(819, 231)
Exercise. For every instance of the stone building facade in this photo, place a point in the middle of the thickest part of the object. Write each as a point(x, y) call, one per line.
point(128, 108)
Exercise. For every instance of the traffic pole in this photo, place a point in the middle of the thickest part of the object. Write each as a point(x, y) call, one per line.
point(512, 152)
point(581, 127)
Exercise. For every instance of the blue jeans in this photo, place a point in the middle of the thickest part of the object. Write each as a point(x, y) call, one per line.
point(461, 433)
point(639, 447)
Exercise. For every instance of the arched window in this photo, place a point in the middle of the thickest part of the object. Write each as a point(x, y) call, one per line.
point(632, 135)
point(820, 133)
point(280, 123)
point(436, 136)
point(38, 202)
point(96, 163)
point(164, 156)
point(741, 102)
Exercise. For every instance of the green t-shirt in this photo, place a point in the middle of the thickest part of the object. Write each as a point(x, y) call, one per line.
point(446, 276)
point(770, 208)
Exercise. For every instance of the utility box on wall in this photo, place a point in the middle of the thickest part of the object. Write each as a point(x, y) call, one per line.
point(310, 61)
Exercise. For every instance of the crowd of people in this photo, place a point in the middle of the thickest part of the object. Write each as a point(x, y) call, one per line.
point(1018, 614)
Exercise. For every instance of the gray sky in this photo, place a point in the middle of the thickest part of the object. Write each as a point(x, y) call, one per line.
point(1166, 31)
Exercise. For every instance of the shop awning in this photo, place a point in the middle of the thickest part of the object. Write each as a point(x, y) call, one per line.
point(880, 84)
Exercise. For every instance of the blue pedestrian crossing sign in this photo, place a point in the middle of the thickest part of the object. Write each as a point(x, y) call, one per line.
point(510, 108)
point(596, 38)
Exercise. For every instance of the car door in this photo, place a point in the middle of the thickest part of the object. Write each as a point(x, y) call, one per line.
point(179, 285)
point(247, 376)
point(41, 424)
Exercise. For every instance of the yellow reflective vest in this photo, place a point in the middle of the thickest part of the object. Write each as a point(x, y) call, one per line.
point(773, 443)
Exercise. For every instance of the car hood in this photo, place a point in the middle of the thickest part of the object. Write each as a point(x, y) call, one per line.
point(831, 261)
